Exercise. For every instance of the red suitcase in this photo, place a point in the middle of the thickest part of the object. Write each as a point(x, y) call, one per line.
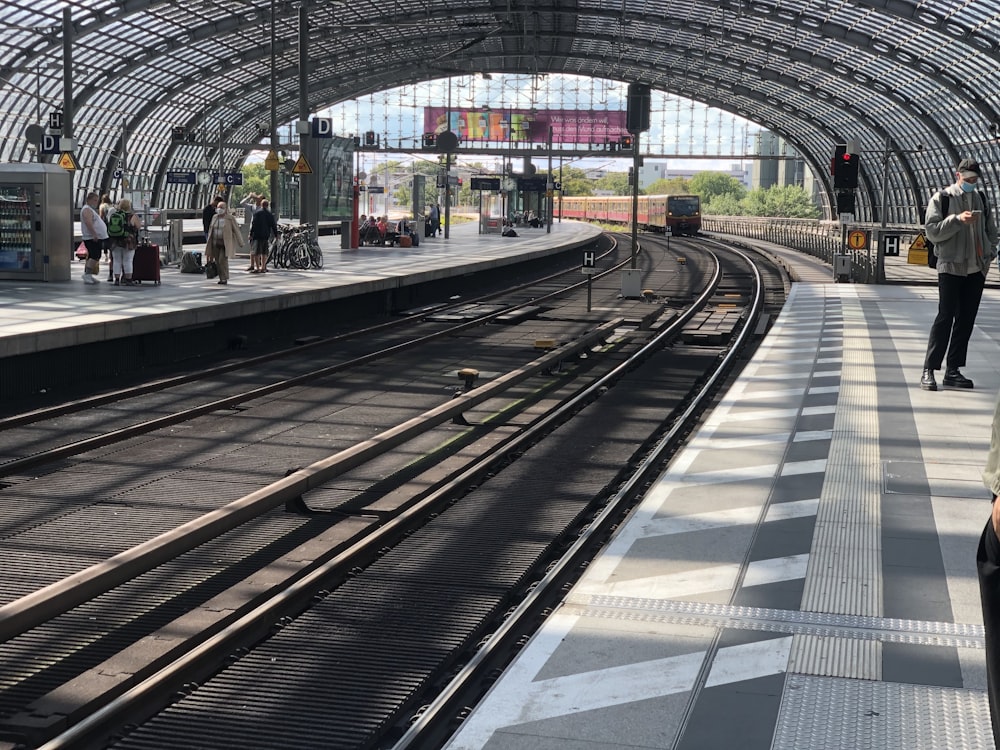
point(146, 263)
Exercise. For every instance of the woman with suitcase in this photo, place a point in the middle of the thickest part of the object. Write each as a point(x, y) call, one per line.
point(123, 231)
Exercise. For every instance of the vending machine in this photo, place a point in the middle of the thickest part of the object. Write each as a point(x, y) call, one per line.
point(36, 222)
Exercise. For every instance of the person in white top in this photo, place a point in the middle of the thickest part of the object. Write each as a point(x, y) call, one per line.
point(95, 237)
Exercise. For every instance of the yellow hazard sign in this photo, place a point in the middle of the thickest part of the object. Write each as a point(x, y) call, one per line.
point(301, 166)
point(857, 239)
point(918, 251)
point(271, 162)
point(67, 161)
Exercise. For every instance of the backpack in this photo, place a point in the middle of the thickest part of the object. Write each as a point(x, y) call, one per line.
point(945, 204)
point(119, 225)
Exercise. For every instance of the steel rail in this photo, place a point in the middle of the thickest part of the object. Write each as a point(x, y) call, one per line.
point(48, 412)
point(18, 465)
point(32, 610)
point(445, 705)
point(165, 680)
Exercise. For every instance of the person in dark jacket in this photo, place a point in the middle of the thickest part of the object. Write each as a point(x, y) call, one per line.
point(263, 227)
point(208, 213)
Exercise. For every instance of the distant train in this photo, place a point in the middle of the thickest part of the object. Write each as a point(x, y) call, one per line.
point(682, 213)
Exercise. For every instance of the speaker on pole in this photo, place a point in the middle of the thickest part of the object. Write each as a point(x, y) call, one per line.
point(637, 117)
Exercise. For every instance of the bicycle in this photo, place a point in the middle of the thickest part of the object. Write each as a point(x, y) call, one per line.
point(295, 247)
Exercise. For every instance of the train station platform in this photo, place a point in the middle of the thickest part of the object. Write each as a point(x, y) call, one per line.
point(42, 316)
point(802, 576)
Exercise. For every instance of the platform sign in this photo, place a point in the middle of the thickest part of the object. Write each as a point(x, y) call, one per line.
point(181, 178)
point(376, 189)
point(918, 252)
point(531, 184)
point(55, 120)
point(322, 127)
point(589, 262)
point(50, 144)
point(486, 183)
point(228, 178)
point(857, 239)
point(890, 244)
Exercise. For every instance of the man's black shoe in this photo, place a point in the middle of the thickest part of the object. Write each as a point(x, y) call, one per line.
point(955, 379)
point(927, 381)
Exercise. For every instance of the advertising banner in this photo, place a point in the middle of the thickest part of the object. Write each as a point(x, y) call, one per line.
point(525, 126)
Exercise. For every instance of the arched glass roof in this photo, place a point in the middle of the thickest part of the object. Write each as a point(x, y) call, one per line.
point(915, 82)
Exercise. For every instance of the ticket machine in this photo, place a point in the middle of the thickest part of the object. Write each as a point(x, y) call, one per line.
point(36, 222)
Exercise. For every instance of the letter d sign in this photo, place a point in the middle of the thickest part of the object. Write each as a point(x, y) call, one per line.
point(322, 127)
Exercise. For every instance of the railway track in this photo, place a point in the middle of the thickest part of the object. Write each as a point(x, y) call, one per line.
point(357, 562)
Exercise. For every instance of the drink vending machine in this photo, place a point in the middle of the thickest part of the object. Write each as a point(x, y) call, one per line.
point(36, 222)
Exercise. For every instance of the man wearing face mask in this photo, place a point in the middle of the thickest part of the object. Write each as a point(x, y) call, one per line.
point(224, 237)
point(964, 233)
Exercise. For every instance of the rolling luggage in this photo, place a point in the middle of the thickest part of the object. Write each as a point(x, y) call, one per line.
point(146, 263)
point(405, 240)
point(415, 238)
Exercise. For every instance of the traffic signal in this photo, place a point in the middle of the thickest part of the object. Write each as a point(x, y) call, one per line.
point(845, 167)
point(370, 138)
point(429, 140)
point(626, 142)
point(845, 201)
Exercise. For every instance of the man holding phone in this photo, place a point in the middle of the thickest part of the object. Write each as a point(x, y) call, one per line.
point(964, 233)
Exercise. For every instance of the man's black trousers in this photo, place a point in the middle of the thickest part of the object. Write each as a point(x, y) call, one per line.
point(958, 304)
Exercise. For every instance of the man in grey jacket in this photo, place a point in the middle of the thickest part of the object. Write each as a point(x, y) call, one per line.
point(964, 233)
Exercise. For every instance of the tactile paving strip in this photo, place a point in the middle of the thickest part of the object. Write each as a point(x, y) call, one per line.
point(825, 713)
point(884, 629)
point(844, 573)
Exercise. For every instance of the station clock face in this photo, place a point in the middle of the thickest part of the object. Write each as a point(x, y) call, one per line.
point(204, 178)
point(509, 184)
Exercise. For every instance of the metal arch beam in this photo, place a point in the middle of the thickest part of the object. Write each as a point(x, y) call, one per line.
point(779, 79)
point(927, 18)
point(137, 6)
point(207, 30)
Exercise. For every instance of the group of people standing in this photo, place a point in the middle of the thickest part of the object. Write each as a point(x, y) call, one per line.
point(224, 237)
point(97, 214)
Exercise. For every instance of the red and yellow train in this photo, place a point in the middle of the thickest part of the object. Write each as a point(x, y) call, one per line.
point(682, 213)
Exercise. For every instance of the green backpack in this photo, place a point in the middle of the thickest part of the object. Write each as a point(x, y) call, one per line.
point(119, 225)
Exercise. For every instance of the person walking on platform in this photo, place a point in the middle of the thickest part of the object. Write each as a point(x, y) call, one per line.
point(964, 233)
point(95, 237)
point(224, 238)
point(263, 228)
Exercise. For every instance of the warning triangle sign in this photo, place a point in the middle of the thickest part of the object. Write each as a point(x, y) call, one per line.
point(67, 161)
point(920, 243)
point(301, 166)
